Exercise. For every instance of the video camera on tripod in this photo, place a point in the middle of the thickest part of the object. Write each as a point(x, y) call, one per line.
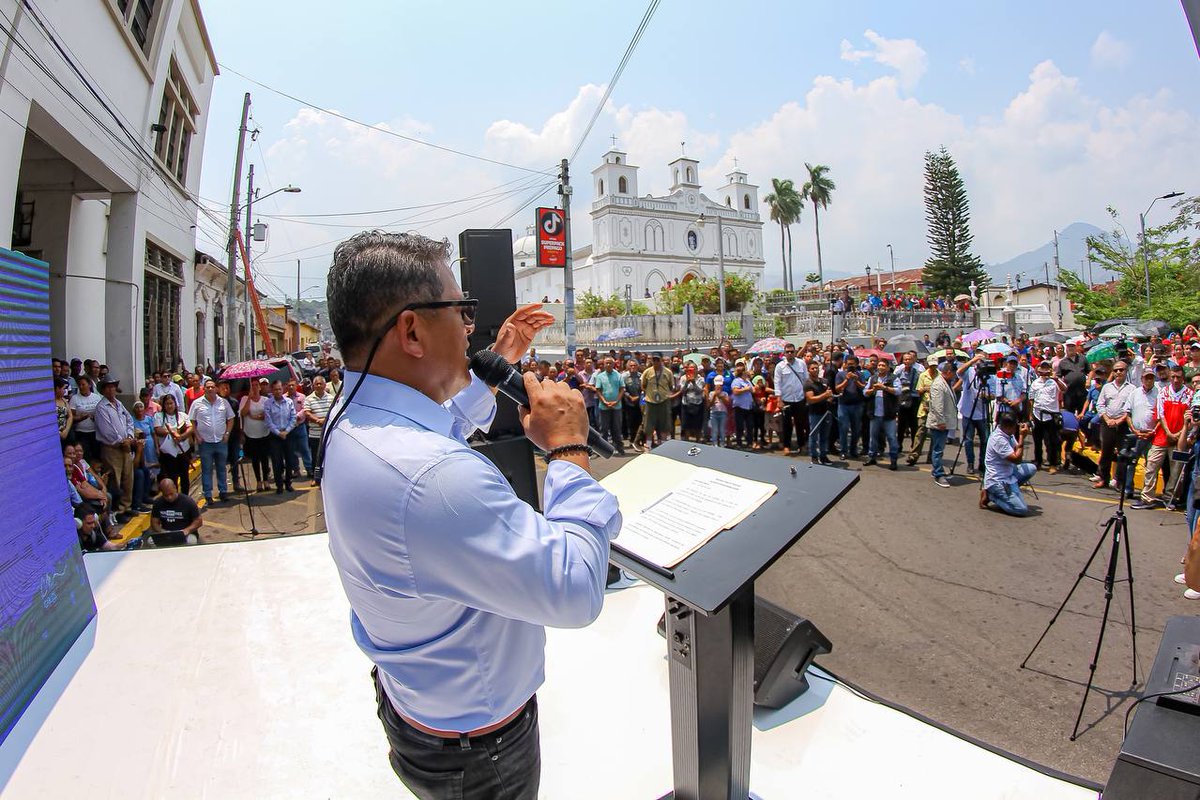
point(985, 370)
point(1126, 451)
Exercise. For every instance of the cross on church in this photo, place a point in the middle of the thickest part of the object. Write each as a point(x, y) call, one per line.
point(614, 141)
point(735, 162)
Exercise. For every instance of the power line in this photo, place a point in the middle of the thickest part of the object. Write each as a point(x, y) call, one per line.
point(377, 128)
point(616, 76)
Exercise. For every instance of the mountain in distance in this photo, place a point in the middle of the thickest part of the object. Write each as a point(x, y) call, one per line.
point(1072, 255)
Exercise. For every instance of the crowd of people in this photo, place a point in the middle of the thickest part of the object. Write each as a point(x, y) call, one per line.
point(829, 399)
point(121, 461)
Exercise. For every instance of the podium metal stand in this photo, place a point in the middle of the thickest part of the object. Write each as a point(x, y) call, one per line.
point(710, 615)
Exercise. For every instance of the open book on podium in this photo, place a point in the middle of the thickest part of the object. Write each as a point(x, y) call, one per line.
point(671, 508)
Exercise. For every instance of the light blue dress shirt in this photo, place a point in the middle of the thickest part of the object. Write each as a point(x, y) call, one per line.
point(281, 414)
point(449, 575)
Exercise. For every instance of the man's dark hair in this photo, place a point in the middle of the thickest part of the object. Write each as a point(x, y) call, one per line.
point(85, 508)
point(375, 274)
point(1006, 419)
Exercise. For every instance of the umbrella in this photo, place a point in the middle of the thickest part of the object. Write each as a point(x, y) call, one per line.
point(864, 353)
point(1000, 329)
point(768, 346)
point(1108, 323)
point(1101, 352)
point(943, 354)
point(1122, 332)
point(249, 369)
point(979, 335)
point(961, 297)
point(695, 358)
point(1052, 338)
point(616, 334)
point(903, 343)
point(1154, 326)
point(995, 348)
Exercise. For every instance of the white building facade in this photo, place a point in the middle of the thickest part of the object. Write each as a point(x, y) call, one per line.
point(100, 156)
point(640, 244)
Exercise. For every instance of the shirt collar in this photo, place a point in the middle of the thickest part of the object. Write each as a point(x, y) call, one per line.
point(400, 399)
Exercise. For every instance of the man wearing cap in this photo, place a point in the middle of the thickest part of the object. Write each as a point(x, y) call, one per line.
point(658, 386)
point(1011, 388)
point(1192, 368)
point(941, 419)
point(213, 418)
point(114, 432)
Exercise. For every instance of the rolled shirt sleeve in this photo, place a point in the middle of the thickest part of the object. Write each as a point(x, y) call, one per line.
point(473, 408)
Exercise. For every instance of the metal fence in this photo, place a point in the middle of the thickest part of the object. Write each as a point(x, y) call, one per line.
point(658, 330)
point(900, 320)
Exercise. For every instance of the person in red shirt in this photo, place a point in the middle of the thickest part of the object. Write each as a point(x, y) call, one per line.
point(194, 390)
point(1169, 425)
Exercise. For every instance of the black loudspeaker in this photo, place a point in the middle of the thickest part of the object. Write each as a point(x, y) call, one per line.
point(513, 456)
point(486, 270)
point(784, 646)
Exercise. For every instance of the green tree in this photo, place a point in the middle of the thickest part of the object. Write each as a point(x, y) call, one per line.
point(818, 190)
point(1173, 255)
point(704, 295)
point(785, 204)
point(951, 266)
point(590, 304)
point(813, 277)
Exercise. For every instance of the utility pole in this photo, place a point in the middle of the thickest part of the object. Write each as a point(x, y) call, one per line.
point(234, 219)
point(564, 189)
point(892, 256)
point(1057, 286)
point(247, 239)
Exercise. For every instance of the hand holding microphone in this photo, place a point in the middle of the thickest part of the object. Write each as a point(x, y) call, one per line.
point(552, 413)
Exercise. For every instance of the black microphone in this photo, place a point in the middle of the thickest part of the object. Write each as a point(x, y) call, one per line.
point(493, 370)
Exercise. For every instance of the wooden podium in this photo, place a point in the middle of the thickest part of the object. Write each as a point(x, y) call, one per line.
point(710, 614)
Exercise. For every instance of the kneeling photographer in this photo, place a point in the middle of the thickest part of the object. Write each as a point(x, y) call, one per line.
point(1004, 471)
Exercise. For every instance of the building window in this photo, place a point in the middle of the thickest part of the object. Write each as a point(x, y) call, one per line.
point(218, 336)
point(622, 185)
point(656, 239)
point(728, 201)
point(746, 202)
point(176, 124)
point(601, 187)
point(199, 335)
point(689, 174)
point(163, 279)
point(139, 17)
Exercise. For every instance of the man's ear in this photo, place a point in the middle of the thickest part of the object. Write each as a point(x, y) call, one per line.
point(413, 334)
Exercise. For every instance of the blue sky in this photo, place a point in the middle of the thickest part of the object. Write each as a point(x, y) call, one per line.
point(1052, 110)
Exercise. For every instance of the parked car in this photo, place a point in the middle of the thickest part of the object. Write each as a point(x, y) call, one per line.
point(286, 370)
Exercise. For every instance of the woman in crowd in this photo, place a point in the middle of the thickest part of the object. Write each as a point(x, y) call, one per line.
point(62, 408)
point(145, 468)
point(83, 407)
point(718, 410)
point(255, 431)
point(692, 409)
point(175, 443)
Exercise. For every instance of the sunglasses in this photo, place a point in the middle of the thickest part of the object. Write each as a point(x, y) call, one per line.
point(467, 307)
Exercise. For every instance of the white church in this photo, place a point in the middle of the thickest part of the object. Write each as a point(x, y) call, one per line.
point(639, 244)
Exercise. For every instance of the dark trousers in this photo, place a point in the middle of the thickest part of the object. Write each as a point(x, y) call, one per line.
point(1045, 433)
point(281, 456)
point(314, 448)
point(758, 422)
point(795, 415)
point(259, 452)
point(906, 423)
point(631, 420)
point(610, 425)
point(176, 468)
point(1110, 440)
point(505, 764)
point(743, 425)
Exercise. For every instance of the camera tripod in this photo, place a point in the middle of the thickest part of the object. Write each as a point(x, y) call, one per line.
point(980, 385)
point(1118, 528)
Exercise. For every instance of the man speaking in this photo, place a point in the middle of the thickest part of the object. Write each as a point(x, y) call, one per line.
point(449, 575)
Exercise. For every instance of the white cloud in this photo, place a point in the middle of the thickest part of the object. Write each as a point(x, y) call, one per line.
point(1050, 156)
point(903, 55)
point(1109, 51)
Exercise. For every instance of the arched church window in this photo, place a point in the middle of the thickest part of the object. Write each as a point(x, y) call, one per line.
point(677, 175)
point(601, 186)
point(746, 202)
point(728, 201)
point(689, 174)
point(622, 185)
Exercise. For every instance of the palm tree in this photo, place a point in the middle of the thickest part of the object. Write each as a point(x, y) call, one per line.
point(818, 190)
point(785, 204)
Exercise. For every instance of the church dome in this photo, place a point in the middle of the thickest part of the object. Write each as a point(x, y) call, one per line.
point(525, 250)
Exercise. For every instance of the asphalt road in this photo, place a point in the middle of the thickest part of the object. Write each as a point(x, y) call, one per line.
point(932, 603)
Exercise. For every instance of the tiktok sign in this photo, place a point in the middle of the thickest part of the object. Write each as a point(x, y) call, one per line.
point(551, 237)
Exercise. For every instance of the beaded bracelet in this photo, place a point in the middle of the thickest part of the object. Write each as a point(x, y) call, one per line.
point(565, 449)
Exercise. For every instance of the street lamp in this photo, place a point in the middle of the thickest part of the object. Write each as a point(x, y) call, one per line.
point(868, 287)
point(720, 259)
point(892, 256)
point(1145, 251)
point(289, 189)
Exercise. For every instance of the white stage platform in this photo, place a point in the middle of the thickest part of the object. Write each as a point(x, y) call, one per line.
point(227, 671)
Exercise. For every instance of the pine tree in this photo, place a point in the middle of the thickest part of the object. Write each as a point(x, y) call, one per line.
point(951, 266)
